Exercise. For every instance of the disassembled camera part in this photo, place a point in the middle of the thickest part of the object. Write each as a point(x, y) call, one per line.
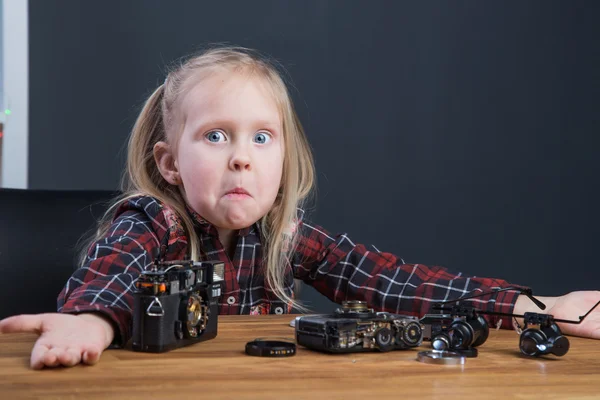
point(175, 304)
point(355, 328)
point(293, 322)
point(540, 335)
point(270, 348)
point(441, 357)
point(460, 330)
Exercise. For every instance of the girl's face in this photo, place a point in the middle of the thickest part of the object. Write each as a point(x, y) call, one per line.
point(230, 153)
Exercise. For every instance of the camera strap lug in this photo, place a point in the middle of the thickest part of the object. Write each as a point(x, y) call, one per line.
point(152, 311)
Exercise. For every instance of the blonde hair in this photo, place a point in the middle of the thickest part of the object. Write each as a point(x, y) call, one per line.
point(158, 119)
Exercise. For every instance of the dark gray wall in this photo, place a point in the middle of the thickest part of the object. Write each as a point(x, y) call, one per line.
point(462, 134)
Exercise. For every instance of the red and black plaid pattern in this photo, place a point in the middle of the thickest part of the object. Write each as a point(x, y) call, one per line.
point(336, 266)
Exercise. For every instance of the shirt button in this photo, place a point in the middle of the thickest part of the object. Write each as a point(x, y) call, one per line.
point(231, 300)
point(278, 310)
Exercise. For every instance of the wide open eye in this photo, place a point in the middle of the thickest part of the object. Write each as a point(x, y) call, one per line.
point(215, 136)
point(262, 137)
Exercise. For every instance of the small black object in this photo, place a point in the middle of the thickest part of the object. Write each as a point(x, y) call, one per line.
point(270, 348)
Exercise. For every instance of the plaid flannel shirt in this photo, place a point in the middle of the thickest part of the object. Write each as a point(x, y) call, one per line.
point(336, 266)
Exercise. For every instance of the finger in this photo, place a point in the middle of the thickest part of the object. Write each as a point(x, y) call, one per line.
point(37, 356)
point(69, 357)
point(594, 333)
point(91, 356)
point(21, 323)
point(51, 357)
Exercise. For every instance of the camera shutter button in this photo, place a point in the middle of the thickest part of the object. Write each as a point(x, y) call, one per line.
point(231, 300)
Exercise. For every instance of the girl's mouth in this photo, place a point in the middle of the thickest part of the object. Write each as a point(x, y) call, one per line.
point(237, 193)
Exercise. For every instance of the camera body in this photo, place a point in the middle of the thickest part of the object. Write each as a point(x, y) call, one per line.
point(175, 304)
point(461, 329)
point(356, 328)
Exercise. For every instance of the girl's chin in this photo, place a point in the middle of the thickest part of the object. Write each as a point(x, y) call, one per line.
point(238, 222)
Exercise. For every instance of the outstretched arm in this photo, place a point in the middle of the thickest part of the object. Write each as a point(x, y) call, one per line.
point(343, 270)
point(569, 307)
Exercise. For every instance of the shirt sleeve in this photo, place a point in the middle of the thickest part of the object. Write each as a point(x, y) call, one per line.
point(105, 281)
point(343, 270)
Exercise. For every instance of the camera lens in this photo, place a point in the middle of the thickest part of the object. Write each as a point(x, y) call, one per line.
point(195, 315)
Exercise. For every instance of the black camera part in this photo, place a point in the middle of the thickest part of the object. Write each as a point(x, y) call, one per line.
point(176, 304)
point(460, 329)
point(356, 328)
point(270, 348)
point(540, 335)
point(537, 342)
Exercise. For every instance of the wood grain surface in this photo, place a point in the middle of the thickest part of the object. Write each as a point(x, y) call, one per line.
point(219, 368)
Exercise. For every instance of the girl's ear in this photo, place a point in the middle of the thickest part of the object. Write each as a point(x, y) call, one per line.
point(163, 156)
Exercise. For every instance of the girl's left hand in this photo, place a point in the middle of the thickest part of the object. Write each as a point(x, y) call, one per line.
point(573, 305)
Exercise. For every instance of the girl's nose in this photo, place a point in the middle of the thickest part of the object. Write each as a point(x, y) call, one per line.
point(240, 160)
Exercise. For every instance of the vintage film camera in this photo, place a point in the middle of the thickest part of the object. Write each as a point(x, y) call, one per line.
point(356, 328)
point(176, 304)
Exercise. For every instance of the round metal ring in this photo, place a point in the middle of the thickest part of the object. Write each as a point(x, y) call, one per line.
point(441, 357)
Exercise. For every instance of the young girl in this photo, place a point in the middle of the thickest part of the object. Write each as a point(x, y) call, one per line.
point(218, 169)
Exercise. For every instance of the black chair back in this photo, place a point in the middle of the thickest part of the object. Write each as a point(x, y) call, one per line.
point(40, 237)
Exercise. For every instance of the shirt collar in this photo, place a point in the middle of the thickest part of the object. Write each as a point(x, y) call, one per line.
point(207, 228)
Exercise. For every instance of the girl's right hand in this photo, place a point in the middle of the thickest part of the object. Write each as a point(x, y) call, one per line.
point(65, 339)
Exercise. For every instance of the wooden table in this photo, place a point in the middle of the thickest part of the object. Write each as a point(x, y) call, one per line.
point(219, 368)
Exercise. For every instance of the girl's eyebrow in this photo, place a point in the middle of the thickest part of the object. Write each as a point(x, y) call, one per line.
point(227, 123)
